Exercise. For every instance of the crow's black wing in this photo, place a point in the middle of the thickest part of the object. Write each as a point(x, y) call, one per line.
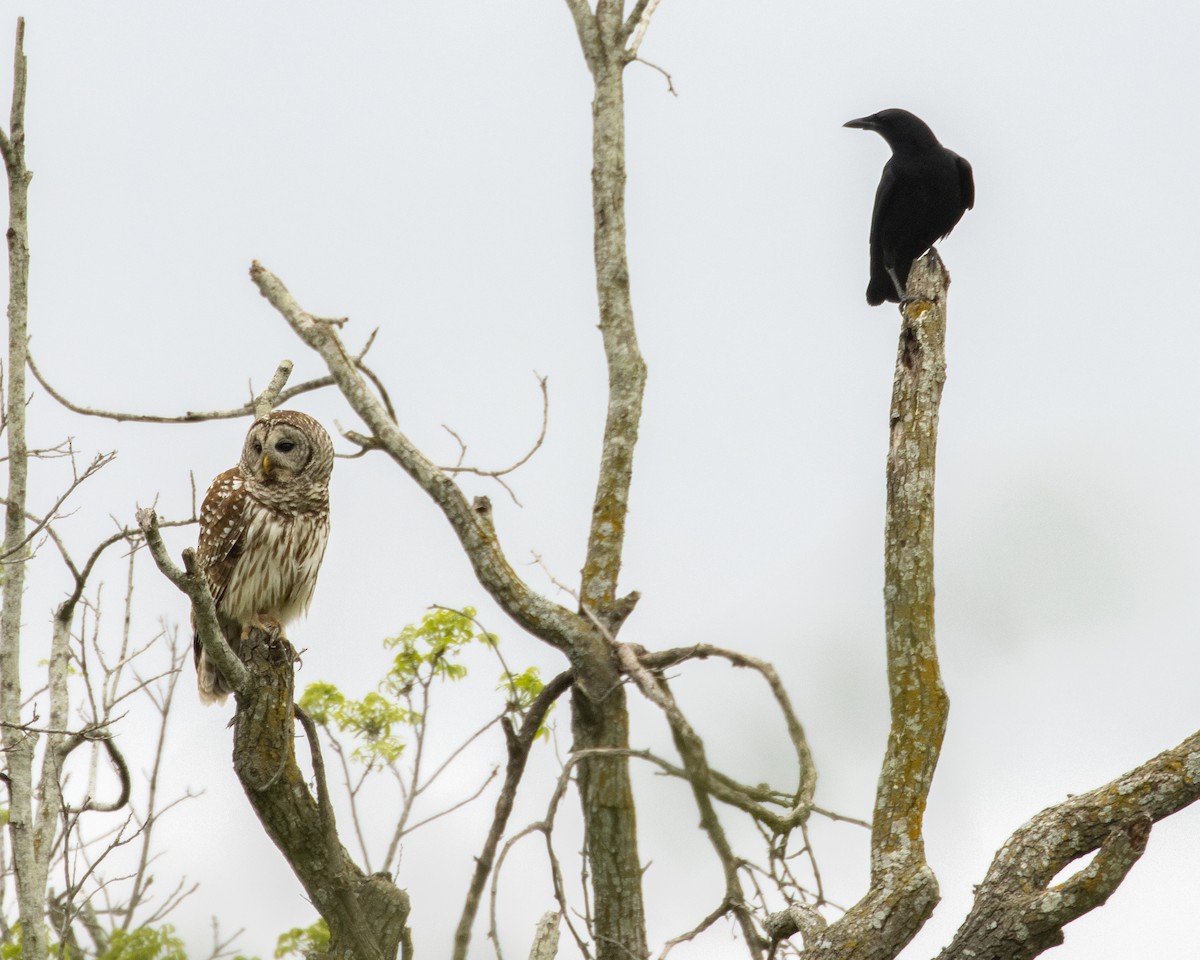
point(881, 286)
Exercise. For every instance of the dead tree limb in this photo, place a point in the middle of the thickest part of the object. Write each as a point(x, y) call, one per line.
point(903, 890)
point(1017, 914)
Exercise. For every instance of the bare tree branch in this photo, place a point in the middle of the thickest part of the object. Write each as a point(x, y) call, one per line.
point(192, 416)
point(638, 23)
point(300, 825)
point(121, 768)
point(589, 33)
point(807, 785)
point(695, 762)
point(100, 461)
point(497, 475)
point(203, 609)
point(1017, 914)
point(266, 401)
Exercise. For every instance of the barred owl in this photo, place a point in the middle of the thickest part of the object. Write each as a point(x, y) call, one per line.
point(263, 529)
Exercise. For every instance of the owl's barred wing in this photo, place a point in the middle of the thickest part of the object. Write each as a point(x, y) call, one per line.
point(223, 523)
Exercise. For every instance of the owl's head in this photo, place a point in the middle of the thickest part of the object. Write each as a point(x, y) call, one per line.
point(286, 445)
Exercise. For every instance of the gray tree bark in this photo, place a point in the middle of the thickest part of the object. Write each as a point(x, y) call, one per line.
point(33, 814)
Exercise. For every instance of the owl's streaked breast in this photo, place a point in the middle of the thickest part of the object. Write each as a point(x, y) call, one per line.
point(276, 572)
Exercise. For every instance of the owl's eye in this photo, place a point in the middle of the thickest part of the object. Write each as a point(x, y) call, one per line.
point(283, 446)
point(257, 447)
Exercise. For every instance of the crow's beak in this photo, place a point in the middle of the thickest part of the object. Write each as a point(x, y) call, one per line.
point(862, 123)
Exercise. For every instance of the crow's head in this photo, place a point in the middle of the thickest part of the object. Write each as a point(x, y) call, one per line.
point(899, 128)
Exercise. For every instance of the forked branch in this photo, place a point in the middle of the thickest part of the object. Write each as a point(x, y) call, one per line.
point(1017, 913)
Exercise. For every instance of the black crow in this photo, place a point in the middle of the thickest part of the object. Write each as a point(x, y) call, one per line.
point(923, 193)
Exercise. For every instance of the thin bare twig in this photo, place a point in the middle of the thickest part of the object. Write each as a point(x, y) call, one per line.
point(498, 474)
point(654, 66)
point(100, 461)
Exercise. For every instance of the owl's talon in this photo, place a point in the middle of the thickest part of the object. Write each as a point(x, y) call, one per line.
point(268, 625)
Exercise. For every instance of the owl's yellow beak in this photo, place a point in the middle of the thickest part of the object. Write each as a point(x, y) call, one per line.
point(267, 466)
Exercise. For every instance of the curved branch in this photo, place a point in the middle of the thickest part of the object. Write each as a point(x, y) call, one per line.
point(119, 765)
point(1017, 914)
point(497, 474)
point(699, 776)
point(266, 401)
point(807, 785)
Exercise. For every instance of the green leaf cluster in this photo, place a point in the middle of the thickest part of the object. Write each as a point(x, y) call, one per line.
point(303, 941)
point(145, 943)
point(424, 652)
point(370, 721)
point(522, 689)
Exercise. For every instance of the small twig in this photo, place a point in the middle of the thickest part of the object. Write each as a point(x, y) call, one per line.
point(654, 66)
point(722, 909)
point(829, 814)
point(695, 762)
point(461, 803)
point(98, 463)
point(497, 474)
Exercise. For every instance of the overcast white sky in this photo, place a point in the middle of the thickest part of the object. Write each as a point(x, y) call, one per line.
point(424, 167)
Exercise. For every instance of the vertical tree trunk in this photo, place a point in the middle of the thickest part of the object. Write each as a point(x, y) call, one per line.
point(26, 832)
point(599, 714)
point(904, 890)
point(610, 824)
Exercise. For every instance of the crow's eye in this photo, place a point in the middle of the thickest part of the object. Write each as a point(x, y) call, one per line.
point(283, 446)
